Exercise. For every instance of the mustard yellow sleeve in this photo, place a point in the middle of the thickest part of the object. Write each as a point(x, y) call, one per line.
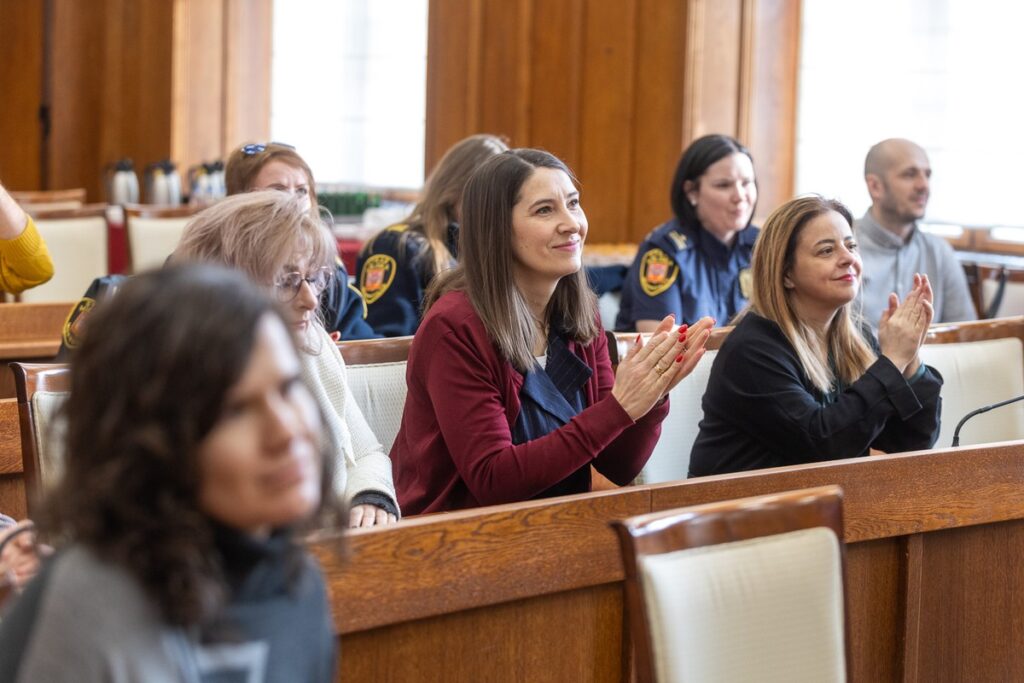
point(24, 261)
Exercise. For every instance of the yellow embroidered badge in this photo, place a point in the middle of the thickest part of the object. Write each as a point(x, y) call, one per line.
point(746, 283)
point(75, 324)
point(378, 274)
point(657, 272)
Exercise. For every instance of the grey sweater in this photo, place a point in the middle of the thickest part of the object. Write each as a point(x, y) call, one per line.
point(85, 620)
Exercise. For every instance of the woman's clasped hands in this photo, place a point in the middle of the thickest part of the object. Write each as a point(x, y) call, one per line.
point(904, 325)
point(651, 369)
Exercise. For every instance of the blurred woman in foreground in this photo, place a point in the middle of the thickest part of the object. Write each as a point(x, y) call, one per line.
point(195, 453)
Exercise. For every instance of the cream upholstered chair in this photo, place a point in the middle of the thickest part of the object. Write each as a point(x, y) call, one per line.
point(42, 390)
point(77, 240)
point(743, 590)
point(978, 373)
point(670, 459)
point(153, 232)
point(376, 381)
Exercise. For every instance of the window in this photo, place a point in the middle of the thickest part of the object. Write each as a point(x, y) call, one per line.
point(349, 88)
point(940, 72)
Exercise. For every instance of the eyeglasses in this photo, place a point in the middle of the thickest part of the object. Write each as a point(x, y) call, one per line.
point(288, 285)
point(259, 147)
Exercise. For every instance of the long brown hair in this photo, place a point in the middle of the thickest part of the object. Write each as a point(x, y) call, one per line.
point(148, 384)
point(773, 259)
point(484, 272)
point(442, 193)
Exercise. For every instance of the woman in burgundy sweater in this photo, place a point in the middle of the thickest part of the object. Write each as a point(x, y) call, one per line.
point(511, 391)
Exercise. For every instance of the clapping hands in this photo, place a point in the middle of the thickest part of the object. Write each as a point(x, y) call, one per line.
point(650, 370)
point(904, 325)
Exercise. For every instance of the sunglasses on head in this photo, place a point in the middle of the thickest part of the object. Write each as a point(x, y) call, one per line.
point(259, 147)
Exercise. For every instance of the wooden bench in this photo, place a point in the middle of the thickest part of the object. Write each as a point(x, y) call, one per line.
point(29, 333)
point(533, 591)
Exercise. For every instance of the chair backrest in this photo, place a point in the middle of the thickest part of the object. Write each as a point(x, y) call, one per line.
point(42, 390)
point(376, 382)
point(975, 374)
point(670, 459)
point(741, 590)
point(153, 232)
point(77, 241)
point(50, 200)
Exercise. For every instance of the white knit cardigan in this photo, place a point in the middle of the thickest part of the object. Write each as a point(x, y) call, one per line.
point(362, 464)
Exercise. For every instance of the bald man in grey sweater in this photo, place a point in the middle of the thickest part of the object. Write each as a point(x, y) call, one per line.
point(893, 247)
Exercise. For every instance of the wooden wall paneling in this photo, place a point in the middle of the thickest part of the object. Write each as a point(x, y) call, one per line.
point(143, 100)
point(657, 133)
point(972, 608)
point(197, 128)
point(21, 82)
point(712, 87)
point(770, 101)
point(606, 155)
point(248, 43)
point(454, 44)
point(503, 77)
point(556, 80)
point(77, 88)
point(109, 89)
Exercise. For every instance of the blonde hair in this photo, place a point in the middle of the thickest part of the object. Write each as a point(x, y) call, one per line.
point(774, 254)
point(258, 233)
point(442, 193)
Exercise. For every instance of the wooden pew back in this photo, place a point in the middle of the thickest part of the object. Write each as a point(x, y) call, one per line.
point(533, 591)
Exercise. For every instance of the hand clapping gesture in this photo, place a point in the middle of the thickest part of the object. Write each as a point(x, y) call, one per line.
point(650, 370)
point(904, 326)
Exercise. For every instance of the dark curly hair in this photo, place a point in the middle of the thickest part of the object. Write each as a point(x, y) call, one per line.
point(148, 384)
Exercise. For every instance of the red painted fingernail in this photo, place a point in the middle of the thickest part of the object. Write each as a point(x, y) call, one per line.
point(637, 339)
point(682, 338)
point(679, 358)
point(683, 328)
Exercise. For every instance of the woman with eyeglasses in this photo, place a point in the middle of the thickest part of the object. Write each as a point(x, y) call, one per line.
point(277, 166)
point(273, 237)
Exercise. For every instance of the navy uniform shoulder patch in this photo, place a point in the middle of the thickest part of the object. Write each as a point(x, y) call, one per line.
point(377, 275)
point(746, 283)
point(678, 239)
point(75, 323)
point(658, 271)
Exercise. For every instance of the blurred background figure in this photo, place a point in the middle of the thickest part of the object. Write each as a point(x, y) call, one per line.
point(282, 247)
point(277, 166)
point(698, 263)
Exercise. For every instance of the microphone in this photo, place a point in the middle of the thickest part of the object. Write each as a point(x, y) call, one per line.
point(979, 411)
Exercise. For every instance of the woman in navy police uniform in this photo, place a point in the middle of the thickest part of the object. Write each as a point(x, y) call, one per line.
point(698, 263)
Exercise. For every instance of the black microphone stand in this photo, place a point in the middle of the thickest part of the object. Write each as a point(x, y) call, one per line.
point(979, 411)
